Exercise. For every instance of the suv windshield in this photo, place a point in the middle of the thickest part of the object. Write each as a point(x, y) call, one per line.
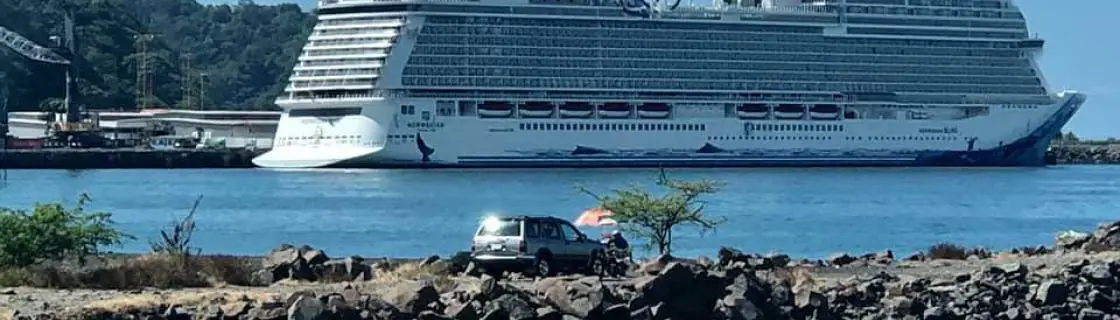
point(500, 228)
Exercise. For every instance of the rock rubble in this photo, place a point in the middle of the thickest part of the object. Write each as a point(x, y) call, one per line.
point(735, 286)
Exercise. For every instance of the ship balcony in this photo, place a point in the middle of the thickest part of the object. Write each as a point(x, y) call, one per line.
point(367, 75)
point(325, 85)
point(383, 25)
point(347, 33)
point(297, 69)
point(308, 102)
point(358, 46)
point(379, 55)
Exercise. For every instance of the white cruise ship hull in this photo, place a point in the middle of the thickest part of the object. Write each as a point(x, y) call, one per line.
point(389, 139)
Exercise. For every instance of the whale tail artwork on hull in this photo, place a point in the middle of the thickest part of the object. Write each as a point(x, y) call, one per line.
point(646, 83)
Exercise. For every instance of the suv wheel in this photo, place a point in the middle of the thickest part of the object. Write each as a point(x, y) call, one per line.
point(543, 267)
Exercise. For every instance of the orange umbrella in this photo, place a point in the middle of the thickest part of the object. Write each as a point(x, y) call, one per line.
point(595, 217)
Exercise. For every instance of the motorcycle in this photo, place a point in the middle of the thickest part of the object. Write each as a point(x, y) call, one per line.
point(616, 261)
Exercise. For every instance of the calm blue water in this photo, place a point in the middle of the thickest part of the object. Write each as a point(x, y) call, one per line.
point(804, 212)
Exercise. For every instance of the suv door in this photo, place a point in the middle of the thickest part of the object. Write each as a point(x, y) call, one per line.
point(553, 239)
point(576, 249)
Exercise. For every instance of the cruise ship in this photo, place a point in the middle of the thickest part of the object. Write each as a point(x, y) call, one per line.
point(629, 83)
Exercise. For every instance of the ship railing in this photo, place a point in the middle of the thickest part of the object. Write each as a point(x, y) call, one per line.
point(832, 10)
point(363, 96)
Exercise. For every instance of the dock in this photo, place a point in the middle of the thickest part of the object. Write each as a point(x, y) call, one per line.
point(78, 159)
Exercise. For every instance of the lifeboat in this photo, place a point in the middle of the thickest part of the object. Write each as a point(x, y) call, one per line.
point(824, 111)
point(535, 109)
point(614, 110)
point(789, 111)
point(495, 109)
point(752, 111)
point(653, 110)
point(576, 110)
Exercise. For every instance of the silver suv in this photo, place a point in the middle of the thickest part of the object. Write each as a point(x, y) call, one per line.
point(539, 246)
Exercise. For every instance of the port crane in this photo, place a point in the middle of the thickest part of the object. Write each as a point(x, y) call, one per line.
point(69, 125)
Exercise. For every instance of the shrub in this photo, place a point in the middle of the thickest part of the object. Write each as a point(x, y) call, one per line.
point(948, 251)
point(54, 232)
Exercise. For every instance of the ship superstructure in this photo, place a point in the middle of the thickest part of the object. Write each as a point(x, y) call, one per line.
point(507, 83)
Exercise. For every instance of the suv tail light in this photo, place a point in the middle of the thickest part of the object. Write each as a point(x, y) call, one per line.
point(522, 247)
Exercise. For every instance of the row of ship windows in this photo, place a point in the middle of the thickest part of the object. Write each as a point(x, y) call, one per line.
point(631, 43)
point(659, 26)
point(702, 55)
point(299, 138)
point(938, 33)
point(701, 35)
point(592, 63)
point(824, 138)
point(611, 127)
point(606, 84)
point(780, 127)
point(990, 4)
point(742, 75)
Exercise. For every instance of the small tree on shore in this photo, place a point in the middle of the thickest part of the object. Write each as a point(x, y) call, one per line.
point(652, 217)
point(54, 232)
point(176, 240)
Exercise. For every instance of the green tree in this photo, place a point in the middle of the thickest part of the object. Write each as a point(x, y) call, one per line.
point(54, 232)
point(653, 217)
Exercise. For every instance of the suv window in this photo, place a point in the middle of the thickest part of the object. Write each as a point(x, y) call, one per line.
point(570, 233)
point(549, 230)
point(531, 229)
point(501, 228)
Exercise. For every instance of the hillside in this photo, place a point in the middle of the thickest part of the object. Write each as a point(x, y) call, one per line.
point(246, 51)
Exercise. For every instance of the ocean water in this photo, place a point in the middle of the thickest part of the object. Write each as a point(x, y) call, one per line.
point(415, 213)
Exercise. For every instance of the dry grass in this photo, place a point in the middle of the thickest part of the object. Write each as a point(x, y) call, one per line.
point(151, 300)
point(156, 270)
point(436, 273)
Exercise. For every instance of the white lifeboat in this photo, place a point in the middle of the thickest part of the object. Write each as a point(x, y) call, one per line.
point(824, 111)
point(653, 110)
point(536, 109)
point(576, 110)
point(495, 109)
point(752, 111)
point(614, 110)
point(789, 111)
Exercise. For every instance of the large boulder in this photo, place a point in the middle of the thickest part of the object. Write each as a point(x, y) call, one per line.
point(290, 262)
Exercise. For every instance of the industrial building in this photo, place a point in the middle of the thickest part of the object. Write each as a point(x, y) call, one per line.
point(237, 129)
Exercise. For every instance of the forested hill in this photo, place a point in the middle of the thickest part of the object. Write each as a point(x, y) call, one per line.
point(245, 50)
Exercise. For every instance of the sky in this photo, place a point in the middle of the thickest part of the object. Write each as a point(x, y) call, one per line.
point(1080, 54)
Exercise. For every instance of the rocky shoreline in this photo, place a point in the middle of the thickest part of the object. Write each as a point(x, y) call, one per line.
point(1077, 279)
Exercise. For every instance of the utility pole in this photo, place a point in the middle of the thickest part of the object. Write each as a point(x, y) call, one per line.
point(3, 129)
point(143, 78)
point(187, 86)
point(202, 90)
